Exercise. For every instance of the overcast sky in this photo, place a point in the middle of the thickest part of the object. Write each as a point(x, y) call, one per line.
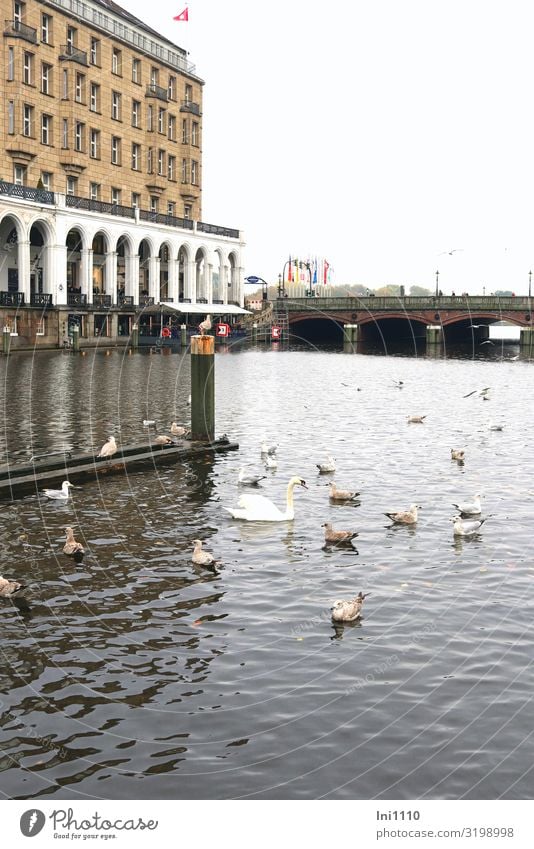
point(379, 134)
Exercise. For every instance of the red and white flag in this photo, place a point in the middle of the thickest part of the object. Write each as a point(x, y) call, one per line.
point(183, 16)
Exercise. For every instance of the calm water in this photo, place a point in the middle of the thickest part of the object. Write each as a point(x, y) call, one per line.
point(137, 675)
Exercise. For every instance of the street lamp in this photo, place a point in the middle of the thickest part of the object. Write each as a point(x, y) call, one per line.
point(437, 283)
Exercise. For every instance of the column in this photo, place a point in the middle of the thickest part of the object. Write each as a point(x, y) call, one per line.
point(86, 273)
point(23, 264)
point(190, 270)
point(57, 282)
point(224, 283)
point(174, 271)
point(434, 334)
point(239, 286)
point(208, 275)
point(131, 271)
point(110, 276)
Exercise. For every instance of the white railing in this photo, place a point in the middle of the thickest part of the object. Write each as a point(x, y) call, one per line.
point(119, 29)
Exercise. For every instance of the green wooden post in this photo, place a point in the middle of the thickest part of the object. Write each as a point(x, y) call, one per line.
point(183, 335)
point(6, 340)
point(203, 388)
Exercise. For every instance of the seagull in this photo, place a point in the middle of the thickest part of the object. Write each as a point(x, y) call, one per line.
point(59, 494)
point(176, 430)
point(450, 253)
point(342, 494)
point(482, 392)
point(348, 611)
point(109, 448)
point(205, 325)
point(496, 427)
point(416, 419)
point(72, 547)
point(398, 383)
point(249, 480)
point(465, 529)
point(470, 508)
point(407, 517)
point(202, 558)
point(163, 440)
point(333, 537)
point(329, 466)
point(9, 588)
point(149, 423)
point(457, 454)
point(270, 462)
point(268, 449)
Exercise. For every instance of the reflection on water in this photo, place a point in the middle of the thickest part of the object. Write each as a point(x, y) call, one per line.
point(135, 674)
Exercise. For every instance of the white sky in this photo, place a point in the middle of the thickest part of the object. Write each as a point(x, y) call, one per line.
point(375, 133)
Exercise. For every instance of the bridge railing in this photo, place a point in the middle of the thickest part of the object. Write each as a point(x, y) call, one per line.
point(491, 303)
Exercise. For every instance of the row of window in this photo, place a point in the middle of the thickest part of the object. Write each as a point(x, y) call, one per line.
point(95, 53)
point(116, 195)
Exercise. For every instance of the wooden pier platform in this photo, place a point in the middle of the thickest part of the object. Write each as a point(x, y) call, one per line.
point(19, 479)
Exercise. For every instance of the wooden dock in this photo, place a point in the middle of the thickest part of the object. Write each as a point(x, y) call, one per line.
point(19, 479)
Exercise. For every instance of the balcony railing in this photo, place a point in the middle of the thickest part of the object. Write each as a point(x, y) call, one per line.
point(184, 300)
point(146, 301)
point(189, 106)
point(100, 206)
point(125, 300)
point(26, 193)
point(101, 300)
point(169, 220)
point(153, 90)
point(216, 230)
point(76, 299)
point(39, 299)
point(16, 29)
point(69, 51)
point(11, 299)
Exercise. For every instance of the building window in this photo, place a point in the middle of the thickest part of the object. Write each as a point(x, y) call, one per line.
point(18, 13)
point(101, 325)
point(171, 90)
point(171, 167)
point(72, 37)
point(11, 63)
point(161, 162)
point(136, 200)
point(11, 117)
point(94, 190)
point(116, 61)
point(161, 120)
point(46, 78)
point(154, 76)
point(136, 71)
point(136, 113)
point(27, 121)
point(194, 133)
point(149, 161)
point(187, 211)
point(115, 105)
point(149, 119)
point(184, 131)
point(94, 149)
point(46, 29)
point(115, 196)
point(184, 170)
point(46, 129)
point(171, 208)
point(115, 150)
point(79, 137)
point(172, 128)
point(65, 133)
point(46, 180)
point(19, 175)
point(188, 93)
point(65, 85)
point(194, 172)
point(94, 53)
point(154, 203)
point(41, 327)
point(79, 91)
point(72, 185)
point(94, 101)
point(27, 68)
point(136, 156)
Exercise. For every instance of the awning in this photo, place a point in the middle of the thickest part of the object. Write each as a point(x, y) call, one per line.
point(204, 309)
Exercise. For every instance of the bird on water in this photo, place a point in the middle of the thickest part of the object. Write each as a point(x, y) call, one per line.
point(59, 494)
point(332, 537)
point(342, 494)
point(72, 547)
point(8, 588)
point(348, 611)
point(257, 508)
point(405, 517)
point(202, 558)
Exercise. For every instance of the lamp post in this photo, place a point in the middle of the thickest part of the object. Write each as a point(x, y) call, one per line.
point(437, 283)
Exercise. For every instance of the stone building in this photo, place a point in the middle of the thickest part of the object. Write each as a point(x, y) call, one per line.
point(101, 178)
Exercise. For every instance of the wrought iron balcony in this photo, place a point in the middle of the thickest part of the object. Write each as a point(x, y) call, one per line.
point(100, 206)
point(125, 300)
point(216, 230)
point(69, 51)
point(169, 220)
point(146, 301)
point(101, 300)
point(39, 299)
point(158, 91)
point(16, 29)
point(76, 299)
point(26, 193)
point(11, 299)
point(189, 106)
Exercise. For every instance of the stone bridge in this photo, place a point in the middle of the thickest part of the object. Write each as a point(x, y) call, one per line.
point(457, 318)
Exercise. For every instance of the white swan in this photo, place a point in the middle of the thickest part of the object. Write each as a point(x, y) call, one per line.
point(257, 508)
